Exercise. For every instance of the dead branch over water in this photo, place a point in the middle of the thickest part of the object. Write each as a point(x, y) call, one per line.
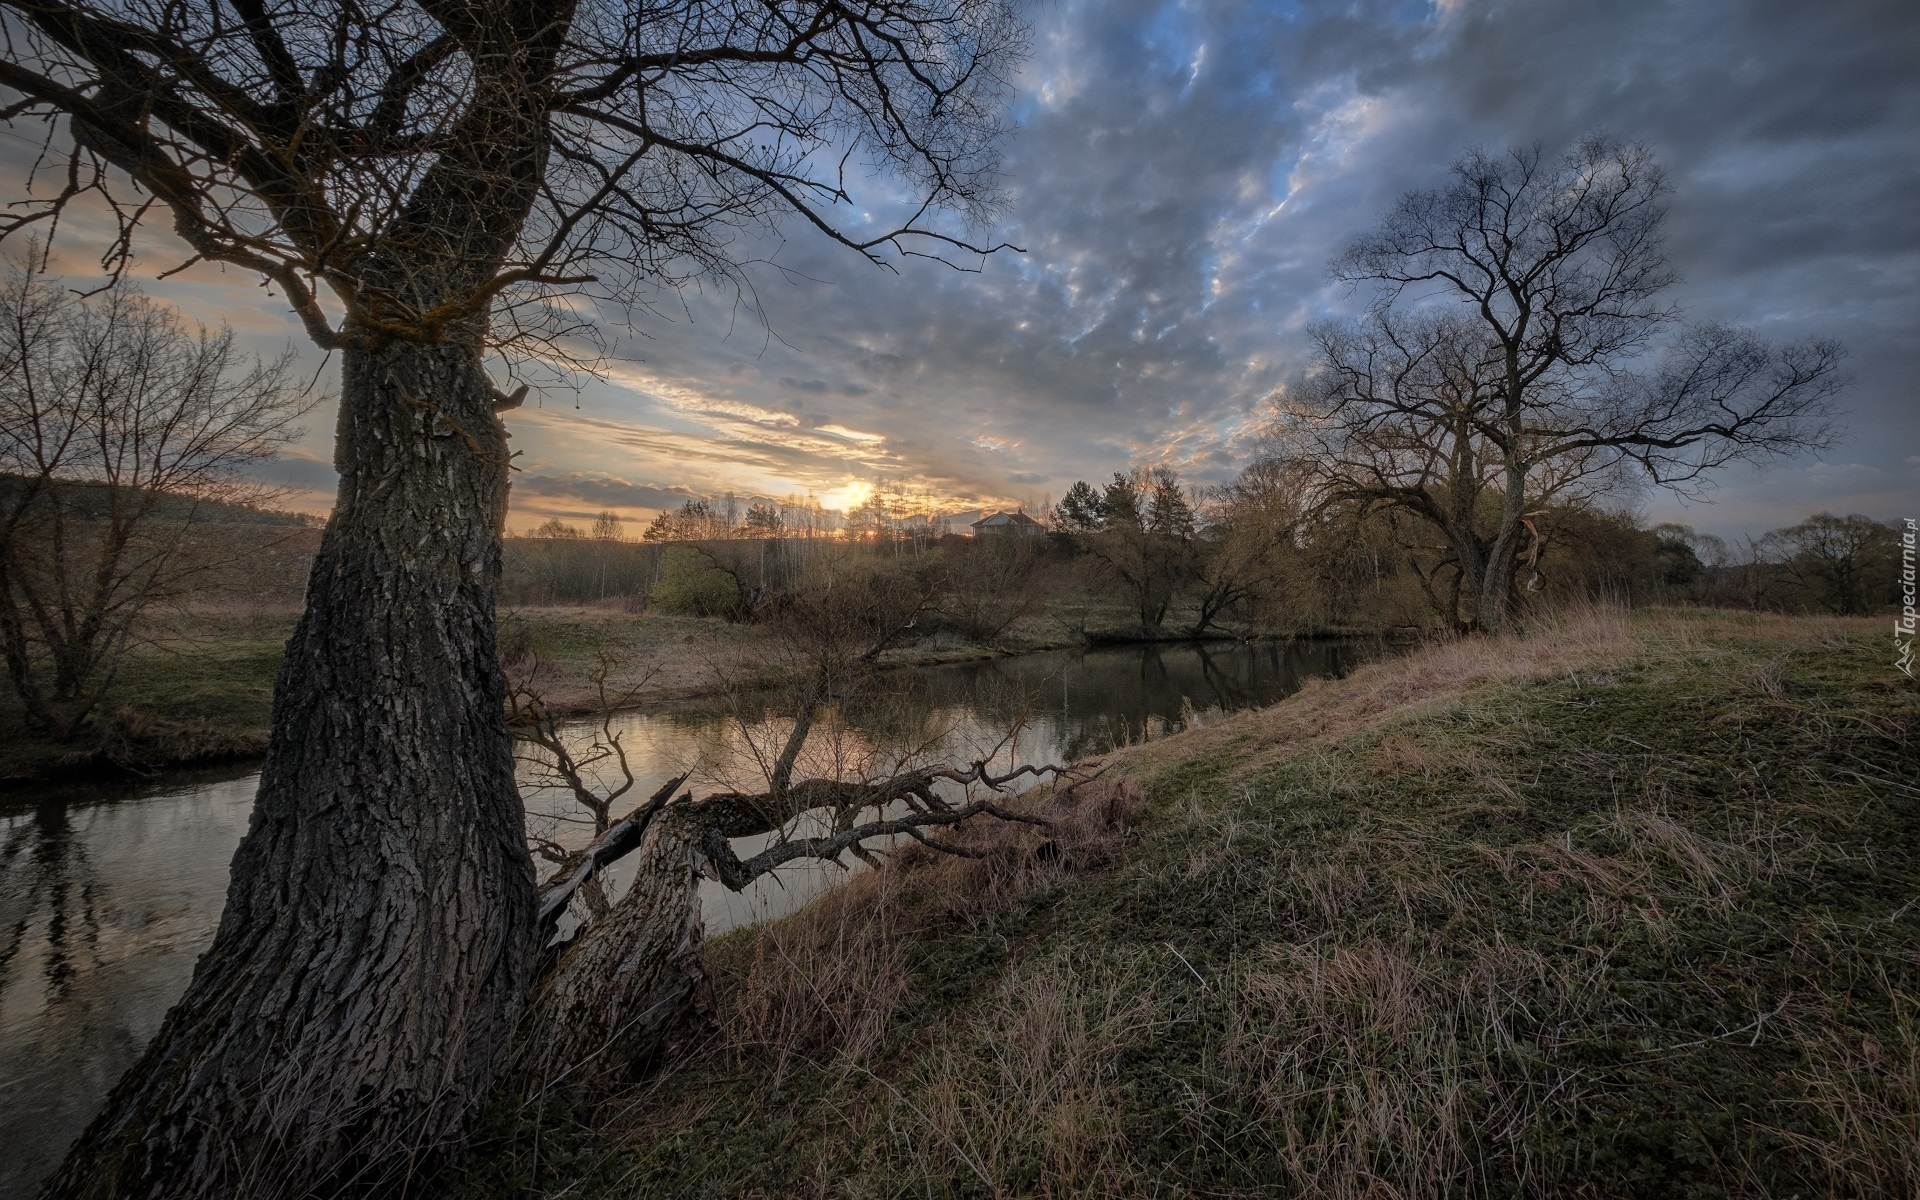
point(612, 997)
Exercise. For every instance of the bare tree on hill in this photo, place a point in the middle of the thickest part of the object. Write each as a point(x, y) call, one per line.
point(418, 180)
point(120, 428)
point(1518, 351)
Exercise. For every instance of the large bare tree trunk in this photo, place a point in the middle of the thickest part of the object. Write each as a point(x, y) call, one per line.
point(631, 981)
point(1462, 524)
point(1471, 577)
point(1495, 600)
point(374, 954)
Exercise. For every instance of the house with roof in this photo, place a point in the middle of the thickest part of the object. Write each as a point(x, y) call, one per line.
point(1008, 524)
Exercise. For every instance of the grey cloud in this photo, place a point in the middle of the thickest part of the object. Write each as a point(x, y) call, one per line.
point(608, 493)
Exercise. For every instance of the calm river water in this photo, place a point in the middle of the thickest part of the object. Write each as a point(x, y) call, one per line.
point(109, 893)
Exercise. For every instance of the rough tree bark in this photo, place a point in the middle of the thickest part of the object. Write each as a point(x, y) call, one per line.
point(375, 949)
point(377, 943)
point(612, 1004)
point(1495, 600)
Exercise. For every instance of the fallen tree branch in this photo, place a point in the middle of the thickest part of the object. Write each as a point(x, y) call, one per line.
point(620, 839)
point(736, 874)
point(710, 824)
point(978, 774)
point(744, 814)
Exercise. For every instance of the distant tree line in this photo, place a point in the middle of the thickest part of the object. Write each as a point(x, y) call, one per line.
point(682, 549)
point(561, 563)
point(702, 520)
point(1267, 552)
point(1272, 552)
point(1843, 565)
point(892, 513)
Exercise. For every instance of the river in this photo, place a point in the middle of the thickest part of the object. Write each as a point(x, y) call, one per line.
point(109, 892)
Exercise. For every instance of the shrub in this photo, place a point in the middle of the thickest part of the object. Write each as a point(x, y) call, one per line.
point(691, 585)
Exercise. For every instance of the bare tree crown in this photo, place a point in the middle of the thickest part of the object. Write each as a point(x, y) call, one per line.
point(1563, 259)
point(116, 390)
point(1547, 275)
point(1516, 353)
point(401, 171)
point(116, 423)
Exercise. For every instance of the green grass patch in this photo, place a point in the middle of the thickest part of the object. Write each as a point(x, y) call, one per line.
point(201, 694)
point(201, 689)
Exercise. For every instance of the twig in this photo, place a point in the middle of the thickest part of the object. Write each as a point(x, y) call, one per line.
point(1756, 1025)
point(1189, 966)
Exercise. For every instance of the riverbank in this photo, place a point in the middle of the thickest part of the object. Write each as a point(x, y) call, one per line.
point(1625, 906)
point(199, 690)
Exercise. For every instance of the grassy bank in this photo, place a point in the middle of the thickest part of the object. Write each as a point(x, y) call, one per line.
point(199, 690)
point(1627, 907)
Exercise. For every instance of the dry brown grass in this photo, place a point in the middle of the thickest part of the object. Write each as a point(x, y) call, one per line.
point(1050, 1040)
point(825, 982)
point(1439, 674)
point(1323, 1038)
point(1861, 1087)
point(1446, 671)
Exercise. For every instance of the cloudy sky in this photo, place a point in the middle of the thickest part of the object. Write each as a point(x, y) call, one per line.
point(1178, 176)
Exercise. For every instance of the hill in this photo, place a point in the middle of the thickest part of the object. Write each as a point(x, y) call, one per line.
point(88, 501)
point(1624, 907)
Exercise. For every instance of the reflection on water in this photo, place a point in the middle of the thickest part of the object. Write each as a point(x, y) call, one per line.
point(106, 899)
point(108, 894)
point(1067, 705)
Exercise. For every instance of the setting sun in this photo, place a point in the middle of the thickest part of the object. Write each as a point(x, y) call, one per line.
point(847, 497)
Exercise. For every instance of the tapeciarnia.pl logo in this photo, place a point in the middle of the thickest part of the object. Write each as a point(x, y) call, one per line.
point(1903, 625)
